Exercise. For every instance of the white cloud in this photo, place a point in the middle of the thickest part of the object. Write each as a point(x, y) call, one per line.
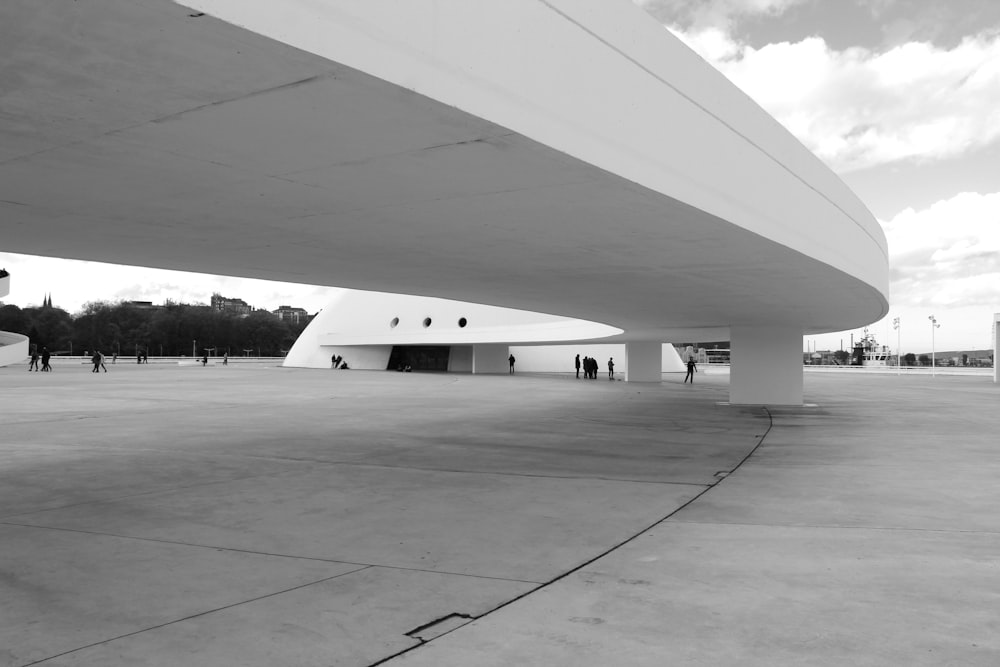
point(717, 13)
point(859, 108)
point(947, 254)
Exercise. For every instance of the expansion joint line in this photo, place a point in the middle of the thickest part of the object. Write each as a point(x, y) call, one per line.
point(627, 540)
point(196, 615)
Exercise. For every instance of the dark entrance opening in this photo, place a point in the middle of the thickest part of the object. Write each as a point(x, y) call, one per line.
point(419, 357)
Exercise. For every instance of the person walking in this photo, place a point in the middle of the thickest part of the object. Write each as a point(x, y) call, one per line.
point(33, 366)
point(576, 362)
point(225, 359)
point(691, 367)
point(511, 360)
point(611, 368)
point(46, 356)
point(96, 360)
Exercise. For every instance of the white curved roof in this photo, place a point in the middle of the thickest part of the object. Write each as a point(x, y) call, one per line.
point(568, 157)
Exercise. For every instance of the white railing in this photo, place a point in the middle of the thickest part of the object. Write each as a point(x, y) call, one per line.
point(905, 370)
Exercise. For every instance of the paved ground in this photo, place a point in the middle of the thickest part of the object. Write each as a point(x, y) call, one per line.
point(264, 516)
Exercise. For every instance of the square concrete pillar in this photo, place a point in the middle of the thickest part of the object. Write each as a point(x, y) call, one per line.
point(765, 365)
point(491, 358)
point(996, 346)
point(643, 360)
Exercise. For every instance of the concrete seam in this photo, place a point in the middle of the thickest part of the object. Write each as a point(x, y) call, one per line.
point(269, 554)
point(760, 439)
point(186, 618)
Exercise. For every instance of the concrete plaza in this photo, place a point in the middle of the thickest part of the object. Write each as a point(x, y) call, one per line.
point(258, 516)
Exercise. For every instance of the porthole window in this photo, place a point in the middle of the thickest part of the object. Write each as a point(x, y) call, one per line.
point(427, 322)
point(462, 322)
point(395, 321)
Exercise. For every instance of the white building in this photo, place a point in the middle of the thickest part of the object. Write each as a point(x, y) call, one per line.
point(568, 157)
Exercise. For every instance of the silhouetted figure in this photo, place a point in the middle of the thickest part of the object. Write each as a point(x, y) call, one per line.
point(138, 357)
point(114, 358)
point(333, 361)
point(46, 356)
point(691, 366)
point(338, 362)
point(145, 357)
point(611, 368)
point(33, 366)
point(96, 360)
point(576, 362)
point(511, 360)
point(225, 359)
point(204, 360)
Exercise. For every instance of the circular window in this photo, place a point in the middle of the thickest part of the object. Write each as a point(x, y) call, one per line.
point(395, 321)
point(427, 322)
point(462, 322)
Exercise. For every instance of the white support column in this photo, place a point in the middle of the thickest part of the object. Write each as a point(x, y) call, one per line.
point(643, 361)
point(996, 346)
point(491, 358)
point(765, 366)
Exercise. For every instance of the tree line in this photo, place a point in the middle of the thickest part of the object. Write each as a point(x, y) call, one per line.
point(174, 329)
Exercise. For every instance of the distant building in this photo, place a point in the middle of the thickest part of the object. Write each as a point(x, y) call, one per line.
point(293, 315)
point(228, 305)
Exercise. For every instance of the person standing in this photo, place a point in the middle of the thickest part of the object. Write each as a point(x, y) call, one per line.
point(34, 361)
point(46, 356)
point(611, 368)
point(225, 359)
point(691, 367)
point(511, 361)
point(96, 360)
point(576, 362)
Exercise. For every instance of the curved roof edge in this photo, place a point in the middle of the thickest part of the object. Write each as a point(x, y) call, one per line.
point(645, 107)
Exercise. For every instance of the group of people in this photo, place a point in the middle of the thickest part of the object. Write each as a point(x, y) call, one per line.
point(98, 360)
point(337, 361)
point(46, 356)
point(590, 367)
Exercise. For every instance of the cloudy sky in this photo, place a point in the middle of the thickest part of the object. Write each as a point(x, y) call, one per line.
point(899, 97)
point(902, 99)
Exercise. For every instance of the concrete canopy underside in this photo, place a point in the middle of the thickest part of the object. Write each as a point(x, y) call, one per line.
point(132, 132)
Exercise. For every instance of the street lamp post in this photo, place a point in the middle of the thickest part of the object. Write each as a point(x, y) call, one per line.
point(899, 351)
point(934, 325)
